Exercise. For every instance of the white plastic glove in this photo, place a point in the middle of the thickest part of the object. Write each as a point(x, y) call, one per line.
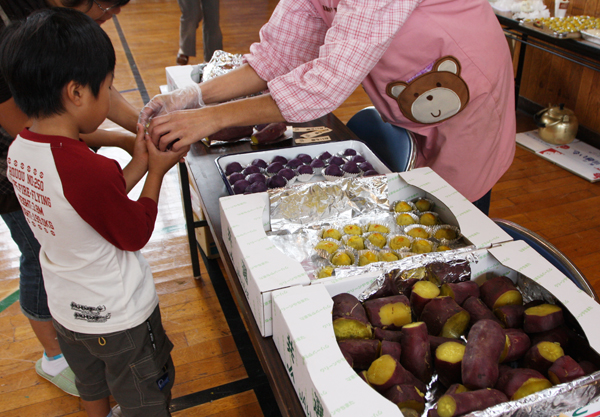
point(184, 98)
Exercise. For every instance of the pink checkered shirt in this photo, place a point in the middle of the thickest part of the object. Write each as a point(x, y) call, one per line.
point(311, 68)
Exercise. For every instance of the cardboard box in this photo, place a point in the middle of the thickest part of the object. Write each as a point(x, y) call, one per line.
point(179, 77)
point(327, 385)
point(262, 268)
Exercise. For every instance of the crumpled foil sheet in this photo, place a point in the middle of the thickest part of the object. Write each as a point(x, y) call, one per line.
point(550, 402)
point(221, 63)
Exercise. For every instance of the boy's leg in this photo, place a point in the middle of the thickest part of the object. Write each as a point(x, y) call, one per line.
point(97, 408)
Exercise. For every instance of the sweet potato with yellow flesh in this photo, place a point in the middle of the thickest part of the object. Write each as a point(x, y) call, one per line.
point(453, 389)
point(561, 335)
point(511, 315)
point(485, 344)
point(362, 351)
point(542, 318)
point(448, 362)
point(478, 310)
point(389, 312)
point(363, 375)
point(422, 293)
point(565, 369)
point(391, 335)
point(460, 291)
point(450, 405)
point(409, 412)
point(436, 341)
point(451, 271)
point(416, 354)
point(516, 346)
point(500, 291)
point(445, 318)
point(386, 371)
point(542, 355)
point(406, 396)
point(517, 383)
point(394, 349)
point(404, 286)
point(350, 320)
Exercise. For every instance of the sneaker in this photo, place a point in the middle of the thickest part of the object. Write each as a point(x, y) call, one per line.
point(116, 411)
point(65, 380)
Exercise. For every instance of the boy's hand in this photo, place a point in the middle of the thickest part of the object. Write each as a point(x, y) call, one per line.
point(160, 162)
point(140, 150)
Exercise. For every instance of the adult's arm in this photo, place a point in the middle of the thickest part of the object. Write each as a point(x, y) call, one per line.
point(122, 112)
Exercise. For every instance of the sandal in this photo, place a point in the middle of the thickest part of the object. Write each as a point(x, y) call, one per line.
point(65, 380)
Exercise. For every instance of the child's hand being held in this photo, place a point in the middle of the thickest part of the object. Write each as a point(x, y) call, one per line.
point(161, 162)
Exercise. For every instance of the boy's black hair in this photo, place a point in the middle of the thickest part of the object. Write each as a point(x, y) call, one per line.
point(90, 3)
point(41, 55)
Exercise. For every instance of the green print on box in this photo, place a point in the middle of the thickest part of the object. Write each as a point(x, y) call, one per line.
point(317, 406)
point(244, 272)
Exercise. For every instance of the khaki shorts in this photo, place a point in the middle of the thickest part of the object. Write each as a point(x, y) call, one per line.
point(133, 365)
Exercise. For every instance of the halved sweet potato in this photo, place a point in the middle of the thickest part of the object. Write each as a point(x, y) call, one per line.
point(485, 344)
point(389, 312)
point(422, 293)
point(350, 320)
point(362, 351)
point(517, 345)
point(386, 371)
point(445, 318)
point(460, 291)
point(394, 349)
point(435, 341)
point(517, 383)
point(406, 396)
point(448, 362)
point(391, 335)
point(542, 318)
point(416, 354)
point(500, 291)
point(450, 405)
point(478, 310)
point(452, 389)
point(542, 355)
point(511, 315)
point(565, 369)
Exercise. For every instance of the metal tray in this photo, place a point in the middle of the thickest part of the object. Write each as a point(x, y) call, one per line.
point(313, 150)
point(589, 36)
point(549, 32)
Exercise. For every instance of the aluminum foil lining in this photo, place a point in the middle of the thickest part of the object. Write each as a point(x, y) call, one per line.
point(221, 63)
point(561, 398)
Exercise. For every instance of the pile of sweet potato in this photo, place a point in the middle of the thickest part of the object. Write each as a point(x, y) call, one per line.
point(434, 326)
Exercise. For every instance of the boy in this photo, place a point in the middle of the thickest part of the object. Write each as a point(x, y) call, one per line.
point(59, 65)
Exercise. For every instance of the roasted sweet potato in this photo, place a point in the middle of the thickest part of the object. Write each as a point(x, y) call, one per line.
point(460, 291)
point(404, 286)
point(388, 287)
point(394, 349)
point(436, 341)
point(389, 312)
point(517, 383)
point(362, 351)
point(269, 134)
point(511, 315)
point(445, 318)
point(452, 271)
point(406, 396)
point(231, 134)
point(542, 318)
point(391, 335)
point(542, 355)
point(386, 371)
point(565, 369)
point(363, 375)
point(448, 362)
point(450, 405)
point(516, 346)
point(416, 354)
point(500, 291)
point(478, 310)
point(453, 389)
point(485, 344)
point(588, 367)
point(422, 292)
point(560, 334)
point(350, 320)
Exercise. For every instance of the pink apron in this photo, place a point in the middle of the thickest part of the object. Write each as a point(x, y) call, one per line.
point(448, 77)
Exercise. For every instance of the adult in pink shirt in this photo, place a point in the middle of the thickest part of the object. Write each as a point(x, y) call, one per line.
point(439, 68)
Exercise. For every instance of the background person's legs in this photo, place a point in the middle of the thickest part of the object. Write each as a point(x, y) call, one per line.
point(191, 15)
point(211, 28)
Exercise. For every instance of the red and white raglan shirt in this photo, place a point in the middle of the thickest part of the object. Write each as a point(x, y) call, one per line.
point(90, 233)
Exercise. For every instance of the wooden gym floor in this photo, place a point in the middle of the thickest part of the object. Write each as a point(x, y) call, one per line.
point(534, 193)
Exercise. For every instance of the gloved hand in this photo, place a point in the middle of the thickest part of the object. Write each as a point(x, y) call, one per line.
point(184, 98)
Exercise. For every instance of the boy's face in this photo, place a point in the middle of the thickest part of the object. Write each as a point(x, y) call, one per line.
point(97, 108)
point(101, 11)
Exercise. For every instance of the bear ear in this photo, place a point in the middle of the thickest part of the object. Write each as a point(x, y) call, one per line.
point(394, 89)
point(447, 64)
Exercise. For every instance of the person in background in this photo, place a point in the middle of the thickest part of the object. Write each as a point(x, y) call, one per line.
point(192, 13)
point(440, 69)
point(59, 65)
point(34, 305)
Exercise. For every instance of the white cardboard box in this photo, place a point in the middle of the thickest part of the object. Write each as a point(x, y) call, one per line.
point(262, 268)
point(179, 76)
point(324, 381)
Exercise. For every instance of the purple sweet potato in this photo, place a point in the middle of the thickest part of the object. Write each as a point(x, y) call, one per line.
point(485, 344)
point(422, 293)
point(517, 345)
point(391, 335)
point(517, 383)
point(436, 341)
point(450, 405)
point(406, 396)
point(478, 310)
point(231, 134)
point(451, 271)
point(362, 351)
point(542, 355)
point(542, 318)
point(350, 320)
point(460, 291)
point(394, 349)
point(386, 372)
point(269, 134)
point(499, 291)
point(560, 334)
point(416, 354)
point(389, 312)
point(565, 369)
point(448, 362)
point(511, 315)
point(445, 318)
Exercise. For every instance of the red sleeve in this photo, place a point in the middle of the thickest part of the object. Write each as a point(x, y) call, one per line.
point(94, 185)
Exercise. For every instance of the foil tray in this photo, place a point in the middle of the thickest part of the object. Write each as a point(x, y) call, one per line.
point(549, 32)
